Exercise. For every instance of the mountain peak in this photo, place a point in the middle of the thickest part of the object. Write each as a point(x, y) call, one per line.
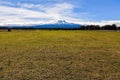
point(61, 22)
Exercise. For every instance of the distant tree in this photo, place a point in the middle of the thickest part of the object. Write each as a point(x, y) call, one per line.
point(114, 27)
point(83, 27)
point(9, 30)
point(109, 27)
point(118, 28)
point(92, 27)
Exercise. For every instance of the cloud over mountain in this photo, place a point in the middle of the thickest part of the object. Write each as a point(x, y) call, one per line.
point(25, 12)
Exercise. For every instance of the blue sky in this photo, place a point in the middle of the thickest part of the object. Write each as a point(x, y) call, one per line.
point(47, 11)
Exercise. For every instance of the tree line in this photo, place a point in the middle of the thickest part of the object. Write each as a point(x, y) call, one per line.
point(98, 27)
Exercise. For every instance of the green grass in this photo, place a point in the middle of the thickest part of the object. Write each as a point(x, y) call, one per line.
point(59, 55)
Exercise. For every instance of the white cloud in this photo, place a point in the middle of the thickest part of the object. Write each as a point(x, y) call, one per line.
point(101, 23)
point(30, 6)
point(26, 13)
point(12, 15)
point(117, 22)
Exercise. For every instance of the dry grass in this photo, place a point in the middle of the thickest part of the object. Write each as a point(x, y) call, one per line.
point(59, 55)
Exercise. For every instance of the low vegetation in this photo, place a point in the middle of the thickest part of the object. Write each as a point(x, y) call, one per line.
point(59, 55)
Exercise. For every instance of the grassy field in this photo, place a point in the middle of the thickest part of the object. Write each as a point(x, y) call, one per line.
point(59, 55)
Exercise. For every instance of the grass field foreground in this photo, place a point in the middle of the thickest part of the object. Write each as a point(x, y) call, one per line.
point(59, 55)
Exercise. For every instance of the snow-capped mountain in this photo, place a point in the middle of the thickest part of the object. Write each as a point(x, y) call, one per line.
point(59, 24)
point(62, 22)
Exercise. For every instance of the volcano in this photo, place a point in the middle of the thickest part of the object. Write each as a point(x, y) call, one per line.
point(60, 24)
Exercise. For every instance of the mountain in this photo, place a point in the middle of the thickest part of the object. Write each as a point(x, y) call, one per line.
point(60, 24)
